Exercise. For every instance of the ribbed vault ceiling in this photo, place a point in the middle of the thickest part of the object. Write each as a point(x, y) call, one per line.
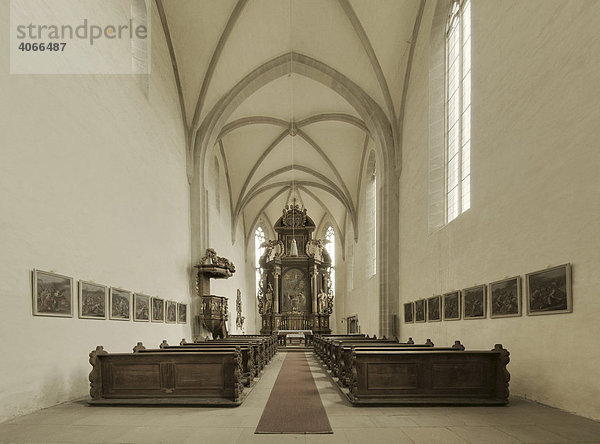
point(293, 129)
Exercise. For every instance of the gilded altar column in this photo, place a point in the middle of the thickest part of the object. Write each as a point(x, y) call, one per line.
point(276, 275)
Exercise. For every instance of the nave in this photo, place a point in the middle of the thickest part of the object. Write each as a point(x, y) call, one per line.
point(520, 421)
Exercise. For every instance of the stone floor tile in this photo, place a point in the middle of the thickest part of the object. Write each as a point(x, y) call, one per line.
point(437, 420)
point(379, 435)
point(393, 421)
point(248, 436)
point(429, 435)
point(527, 433)
point(483, 435)
point(351, 422)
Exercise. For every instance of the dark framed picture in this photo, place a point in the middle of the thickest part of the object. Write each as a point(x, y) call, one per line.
point(141, 307)
point(434, 309)
point(549, 291)
point(171, 312)
point(92, 300)
point(409, 313)
point(120, 304)
point(420, 310)
point(452, 306)
point(181, 313)
point(474, 302)
point(505, 298)
point(52, 294)
point(158, 310)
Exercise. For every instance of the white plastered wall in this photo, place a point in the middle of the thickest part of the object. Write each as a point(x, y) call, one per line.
point(93, 186)
point(535, 178)
point(219, 233)
point(361, 295)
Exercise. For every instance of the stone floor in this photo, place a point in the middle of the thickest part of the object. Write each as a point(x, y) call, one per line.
point(521, 421)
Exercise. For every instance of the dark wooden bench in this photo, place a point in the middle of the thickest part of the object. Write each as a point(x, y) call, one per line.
point(344, 353)
point(260, 352)
point(385, 377)
point(250, 367)
point(180, 378)
point(326, 350)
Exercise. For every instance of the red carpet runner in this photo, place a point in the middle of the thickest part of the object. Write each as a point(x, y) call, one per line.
point(294, 405)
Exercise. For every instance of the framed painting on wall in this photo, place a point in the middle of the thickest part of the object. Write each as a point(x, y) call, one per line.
point(158, 310)
point(171, 312)
point(474, 302)
point(549, 291)
point(452, 306)
point(505, 298)
point(409, 313)
point(52, 294)
point(120, 304)
point(141, 307)
point(92, 300)
point(434, 309)
point(181, 313)
point(420, 310)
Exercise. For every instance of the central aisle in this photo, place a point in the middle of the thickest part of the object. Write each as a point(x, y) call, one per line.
point(294, 405)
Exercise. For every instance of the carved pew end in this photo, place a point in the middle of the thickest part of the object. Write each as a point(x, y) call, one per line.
point(164, 344)
point(139, 346)
point(458, 345)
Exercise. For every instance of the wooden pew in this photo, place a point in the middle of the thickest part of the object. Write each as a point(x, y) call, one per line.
point(327, 346)
point(259, 348)
point(250, 368)
point(344, 356)
point(270, 342)
point(181, 378)
point(341, 350)
point(321, 342)
point(385, 377)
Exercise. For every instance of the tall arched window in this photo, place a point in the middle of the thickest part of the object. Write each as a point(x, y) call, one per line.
point(458, 109)
point(330, 247)
point(259, 238)
point(371, 214)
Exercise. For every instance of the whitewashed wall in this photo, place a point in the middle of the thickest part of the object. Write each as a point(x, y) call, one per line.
point(93, 186)
point(535, 179)
point(219, 233)
point(358, 294)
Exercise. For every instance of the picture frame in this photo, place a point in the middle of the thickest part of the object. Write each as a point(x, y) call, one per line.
point(474, 302)
point(505, 298)
point(52, 294)
point(171, 312)
point(120, 304)
point(409, 313)
point(452, 306)
point(181, 313)
point(92, 300)
point(549, 291)
point(434, 309)
point(420, 310)
point(141, 307)
point(158, 310)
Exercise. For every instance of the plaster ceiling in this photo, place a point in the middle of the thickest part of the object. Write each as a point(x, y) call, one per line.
point(217, 43)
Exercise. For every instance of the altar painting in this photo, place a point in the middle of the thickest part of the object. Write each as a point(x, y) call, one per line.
point(296, 292)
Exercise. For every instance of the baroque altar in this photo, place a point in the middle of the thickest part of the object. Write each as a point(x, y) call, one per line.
point(295, 287)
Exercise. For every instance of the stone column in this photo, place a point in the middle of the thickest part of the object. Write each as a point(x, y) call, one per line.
point(313, 277)
point(276, 292)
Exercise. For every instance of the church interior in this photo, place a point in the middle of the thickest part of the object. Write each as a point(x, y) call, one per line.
point(345, 220)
